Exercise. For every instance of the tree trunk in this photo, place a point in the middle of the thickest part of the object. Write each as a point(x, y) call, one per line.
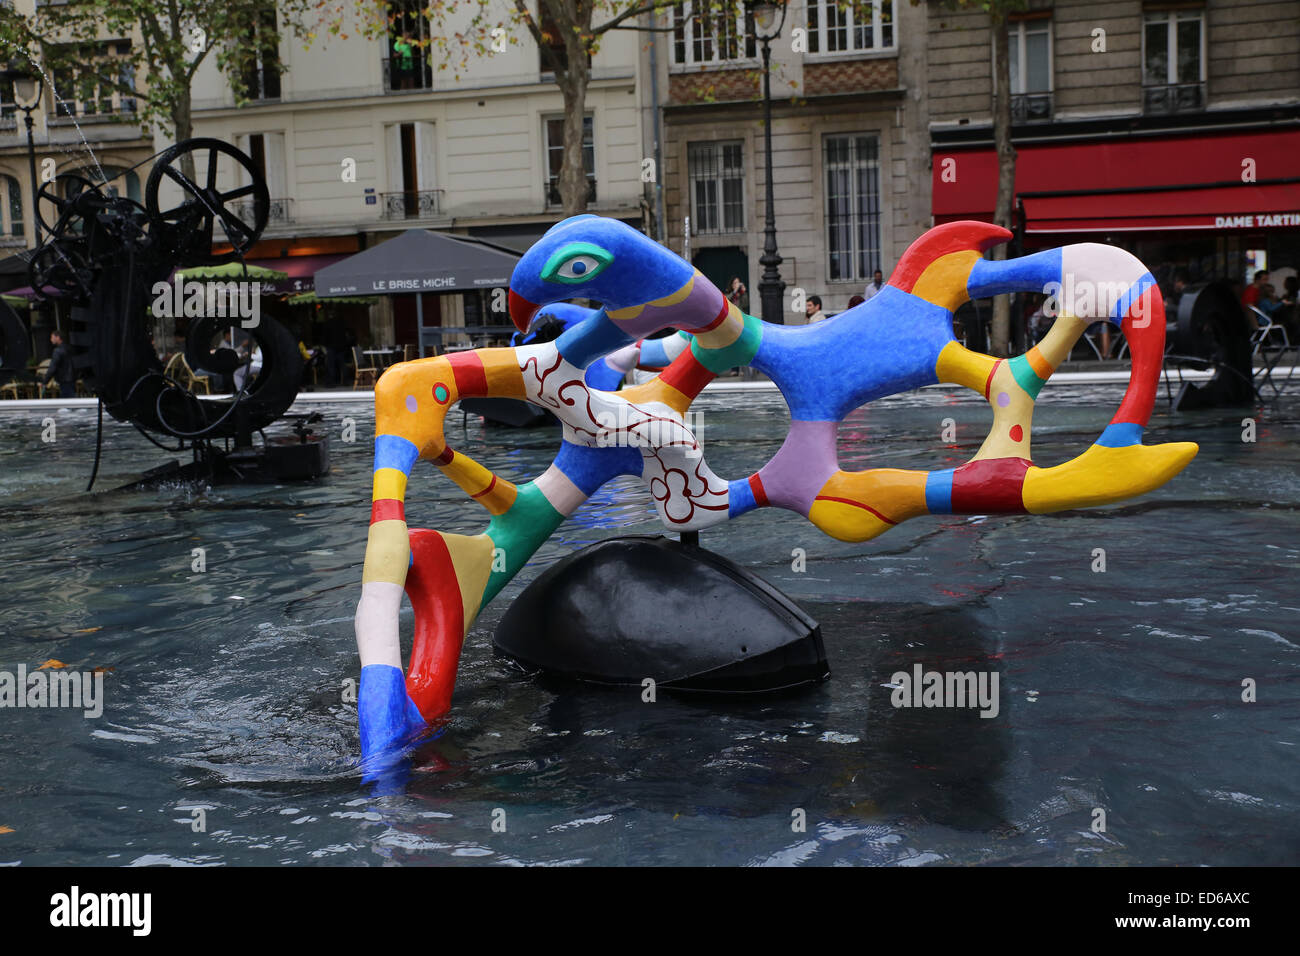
point(1001, 331)
point(183, 129)
point(573, 84)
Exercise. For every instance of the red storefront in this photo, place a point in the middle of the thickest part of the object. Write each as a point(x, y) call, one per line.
point(1205, 202)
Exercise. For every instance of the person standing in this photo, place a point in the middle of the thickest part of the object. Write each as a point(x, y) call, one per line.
point(60, 368)
point(875, 285)
point(738, 295)
point(812, 308)
point(1251, 297)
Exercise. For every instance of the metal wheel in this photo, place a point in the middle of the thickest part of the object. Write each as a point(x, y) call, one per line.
point(56, 202)
point(61, 267)
point(204, 205)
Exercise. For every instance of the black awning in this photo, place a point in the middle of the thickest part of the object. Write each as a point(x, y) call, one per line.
point(419, 261)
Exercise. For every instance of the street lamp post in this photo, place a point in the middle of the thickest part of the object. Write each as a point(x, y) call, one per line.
point(768, 18)
point(28, 87)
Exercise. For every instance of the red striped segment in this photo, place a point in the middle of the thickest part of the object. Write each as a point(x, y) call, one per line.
point(387, 509)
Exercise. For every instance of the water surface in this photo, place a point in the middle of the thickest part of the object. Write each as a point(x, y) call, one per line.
point(1119, 690)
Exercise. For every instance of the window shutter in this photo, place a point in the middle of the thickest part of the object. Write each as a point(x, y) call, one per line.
point(393, 147)
point(275, 167)
point(424, 156)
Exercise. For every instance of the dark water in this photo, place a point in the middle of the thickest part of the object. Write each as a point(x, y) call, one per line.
point(1119, 690)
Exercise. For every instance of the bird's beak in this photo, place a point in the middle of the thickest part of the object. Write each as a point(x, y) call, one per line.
point(521, 311)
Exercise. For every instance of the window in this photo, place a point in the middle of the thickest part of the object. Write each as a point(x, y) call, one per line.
point(13, 209)
point(266, 150)
point(836, 29)
point(709, 37)
point(8, 107)
point(410, 148)
point(555, 158)
point(852, 165)
point(555, 43)
point(1029, 47)
point(1173, 62)
point(717, 177)
point(90, 88)
point(407, 66)
point(261, 66)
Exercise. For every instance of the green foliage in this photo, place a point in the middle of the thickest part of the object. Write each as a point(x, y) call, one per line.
point(148, 49)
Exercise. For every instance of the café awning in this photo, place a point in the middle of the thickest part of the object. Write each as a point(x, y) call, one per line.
point(1133, 184)
point(419, 261)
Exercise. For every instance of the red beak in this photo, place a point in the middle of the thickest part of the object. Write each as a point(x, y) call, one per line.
point(521, 311)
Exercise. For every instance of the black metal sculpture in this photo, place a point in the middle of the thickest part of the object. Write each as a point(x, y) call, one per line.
point(107, 253)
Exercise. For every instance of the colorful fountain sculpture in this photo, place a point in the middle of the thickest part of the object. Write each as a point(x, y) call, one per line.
point(900, 339)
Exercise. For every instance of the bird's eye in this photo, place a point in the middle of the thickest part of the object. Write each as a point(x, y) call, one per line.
point(576, 262)
point(579, 267)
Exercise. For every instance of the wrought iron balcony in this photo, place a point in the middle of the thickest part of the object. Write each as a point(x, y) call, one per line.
point(1031, 108)
point(115, 106)
point(418, 77)
point(1173, 98)
point(279, 212)
point(411, 204)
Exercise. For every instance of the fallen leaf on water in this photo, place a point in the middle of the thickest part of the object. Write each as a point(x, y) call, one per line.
point(52, 663)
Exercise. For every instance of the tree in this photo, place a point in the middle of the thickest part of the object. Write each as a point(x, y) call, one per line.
point(998, 12)
point(170, 39)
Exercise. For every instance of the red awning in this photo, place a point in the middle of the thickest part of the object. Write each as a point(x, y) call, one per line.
point(1249, 206)
point(1125, 185)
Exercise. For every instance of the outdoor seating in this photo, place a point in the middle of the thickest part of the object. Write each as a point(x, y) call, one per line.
point(18, 388)
point(1269, 343)
point(366, 372)
point(179, 370)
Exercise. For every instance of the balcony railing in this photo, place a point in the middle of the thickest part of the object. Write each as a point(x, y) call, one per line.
point(411, 204)
point(279, 212)
point(1173, 98)
point(418, 77)
point(101, 107)
point(1031, 108)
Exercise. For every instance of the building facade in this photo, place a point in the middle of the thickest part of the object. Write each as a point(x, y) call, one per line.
point(850, 149)
point(78, 128)
point(360, 140)
point(1169, 128)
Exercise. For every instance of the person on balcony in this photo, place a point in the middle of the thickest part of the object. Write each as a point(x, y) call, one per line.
point(404, 60)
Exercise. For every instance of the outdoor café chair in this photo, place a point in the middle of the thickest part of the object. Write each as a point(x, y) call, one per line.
point(367, 372)
point(178, 369)
point(1269, 342)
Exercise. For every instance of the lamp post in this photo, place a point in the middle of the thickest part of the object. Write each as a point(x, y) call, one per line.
point(28, 88)
point(768, 18)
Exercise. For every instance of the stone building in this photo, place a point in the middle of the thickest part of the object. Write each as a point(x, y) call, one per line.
point(1169, 128)
point(80, 127)
point(359, 142)
point(849, 145)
